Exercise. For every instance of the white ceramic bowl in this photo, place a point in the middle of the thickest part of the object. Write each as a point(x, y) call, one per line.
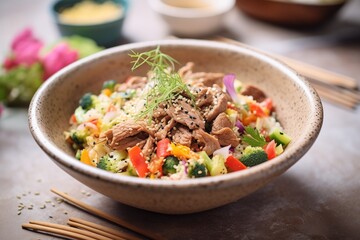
point(297, 104)
point(193, 18)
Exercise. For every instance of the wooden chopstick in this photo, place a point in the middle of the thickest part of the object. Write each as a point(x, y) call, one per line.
point(102, 230)
point(304, 69)
point(106, 216)
point(336, 95)
point(61, 230)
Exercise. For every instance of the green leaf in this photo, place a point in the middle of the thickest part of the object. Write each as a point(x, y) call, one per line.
point(253, 137)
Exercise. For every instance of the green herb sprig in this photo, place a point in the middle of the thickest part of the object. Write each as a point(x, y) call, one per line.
point(253, 137)
point(167, 83)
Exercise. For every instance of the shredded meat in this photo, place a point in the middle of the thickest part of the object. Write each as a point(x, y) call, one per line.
point(126, 134)
point(182, 112)
point(163, 128)
point(222, 129)
point(133, 82)
point(209, 142)
point(207, 79)
point(182, 135)
point(182, 121)
point(160, 111)
point(256, 93)
point(226, 137)
point(185, 70)
point(148, 147)
point(203, 96)
point(219, 104)
point(221, 121)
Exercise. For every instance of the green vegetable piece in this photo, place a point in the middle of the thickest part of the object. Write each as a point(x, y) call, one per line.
point(78, 154)
point(253, 156)
point(79, 136)
point(112, 162)
point(253, 137)
point(169, 164)
point(80, 114)
point(216, 165)
point(109, 85)
point(197, 170)
point(86, 101)
point(280, 137)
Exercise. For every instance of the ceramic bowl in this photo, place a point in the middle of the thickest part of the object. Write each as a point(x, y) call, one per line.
point(104, 34)
point(193, 18)
point(298, 106)
point(296, 13)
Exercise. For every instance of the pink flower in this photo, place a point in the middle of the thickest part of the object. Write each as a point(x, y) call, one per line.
point(58, 58)
point(25, 50)
point(1, 109)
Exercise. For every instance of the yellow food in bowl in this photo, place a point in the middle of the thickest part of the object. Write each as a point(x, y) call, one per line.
point(90, 12)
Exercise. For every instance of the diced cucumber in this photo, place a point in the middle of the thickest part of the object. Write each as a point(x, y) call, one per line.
point(280, 137)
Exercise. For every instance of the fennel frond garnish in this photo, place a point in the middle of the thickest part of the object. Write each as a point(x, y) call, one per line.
point(166, 82)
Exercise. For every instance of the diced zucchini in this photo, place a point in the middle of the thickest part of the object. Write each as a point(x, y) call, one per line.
point(280, 137)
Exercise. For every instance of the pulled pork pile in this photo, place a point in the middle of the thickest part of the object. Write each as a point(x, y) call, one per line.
point(199, 123)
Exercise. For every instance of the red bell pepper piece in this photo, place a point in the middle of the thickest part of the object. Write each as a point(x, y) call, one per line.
point(138, 161)
point(233, 164)
point(257, 110)
point(162, 149)
point(270, 149)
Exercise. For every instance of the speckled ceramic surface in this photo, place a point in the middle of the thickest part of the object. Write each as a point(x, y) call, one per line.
point(298, 106)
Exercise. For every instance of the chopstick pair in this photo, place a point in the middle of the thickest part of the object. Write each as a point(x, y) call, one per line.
point(89, 230)
point(334, 87)
point(77, 229)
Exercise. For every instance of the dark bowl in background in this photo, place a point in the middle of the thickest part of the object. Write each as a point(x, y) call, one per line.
point(293, 14)
point(105, 34)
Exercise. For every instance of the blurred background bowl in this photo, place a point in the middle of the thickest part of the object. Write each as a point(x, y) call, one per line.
point(193, 18)
point(297, 13)
point(105, 33)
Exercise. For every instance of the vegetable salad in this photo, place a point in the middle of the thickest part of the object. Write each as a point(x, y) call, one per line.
point(174, 124)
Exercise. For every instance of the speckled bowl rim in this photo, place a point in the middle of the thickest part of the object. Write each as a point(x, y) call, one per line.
point(310, 133)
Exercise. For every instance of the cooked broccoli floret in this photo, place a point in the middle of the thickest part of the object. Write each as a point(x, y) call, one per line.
point(169, 163)
point(109, 85)
point(112, 162)
point(197, 170)
point(79, 136)
point(216, 165)
point(253, 156)
point(86, 102)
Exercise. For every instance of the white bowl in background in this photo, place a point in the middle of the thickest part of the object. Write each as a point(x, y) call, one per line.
point(193, 18)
